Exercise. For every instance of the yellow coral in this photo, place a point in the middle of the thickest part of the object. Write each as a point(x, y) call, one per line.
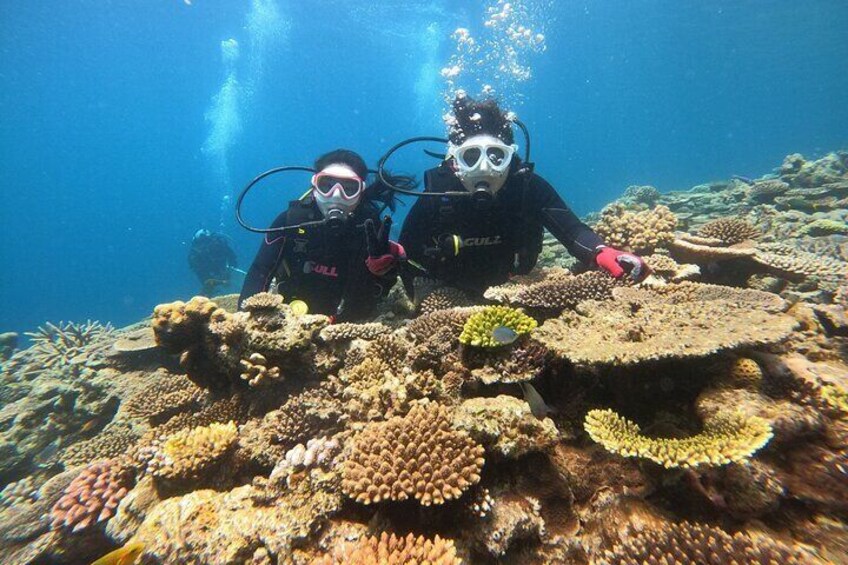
point(390, 550)
point(417, 456)
point(479, 327)
point(724, 440)
point(835, 397)
point(187, 454)
point(746, 373)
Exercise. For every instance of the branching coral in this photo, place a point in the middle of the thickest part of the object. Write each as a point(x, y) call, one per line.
point(700, 543)
point(646, 194)
point(55, 345)
point(115, 440)
point(165, 396)
point(392, 550)
point(479, 330)
point(442, 299)
point(565, 292)
point(257, 372)
point(729, 231)
point(505, 425)
point(179, 325)
point(92, 497)
point(417, 456)
point(423, 327)
point(675, 322)
point(346, 331)
point(640, 232)
point(188, 454)
point(725, 439)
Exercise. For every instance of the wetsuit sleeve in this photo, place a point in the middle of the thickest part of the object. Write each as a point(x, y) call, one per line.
point(265, 263)
point(414, 233)
point(564, 224)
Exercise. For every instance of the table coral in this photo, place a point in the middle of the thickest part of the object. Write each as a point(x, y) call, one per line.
point(644, 326)
point(346, 331)
point(479, 327)
point(725, 439)
point(92, 497)
point(418, 456)
point(564, 292)
point(390, 549)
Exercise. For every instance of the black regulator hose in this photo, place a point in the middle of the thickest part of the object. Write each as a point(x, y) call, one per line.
point(253, 183)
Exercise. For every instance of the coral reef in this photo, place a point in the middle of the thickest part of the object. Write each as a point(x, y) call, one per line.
point(698, 543)
point(443, 298)
point(188, 455)
point(480, 328)
point(640, 232)
point(346, 331)
point(417, 456)
point(729, 231)
point(92, 497)
point(559, 293)
point(504, 425)
point(394, 550)
point(724, 440)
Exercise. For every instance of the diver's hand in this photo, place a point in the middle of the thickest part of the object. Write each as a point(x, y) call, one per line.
point(383, 254)
point(618, 263)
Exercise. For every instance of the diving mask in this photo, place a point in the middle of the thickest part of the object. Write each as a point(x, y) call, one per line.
point(482, 162)
point(337, 191)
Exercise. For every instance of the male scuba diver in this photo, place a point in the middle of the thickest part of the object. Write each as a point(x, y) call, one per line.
point(329, 249)
point(495, 228)
point(212, 260)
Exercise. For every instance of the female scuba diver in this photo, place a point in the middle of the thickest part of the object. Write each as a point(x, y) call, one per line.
point(324, 249)
point(496, 229)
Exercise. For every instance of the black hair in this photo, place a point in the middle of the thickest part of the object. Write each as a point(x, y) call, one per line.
point(343, 157)
point(483, 117)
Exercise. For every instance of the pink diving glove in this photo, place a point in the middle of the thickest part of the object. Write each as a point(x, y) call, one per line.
point(382, 264)
point(618, 263)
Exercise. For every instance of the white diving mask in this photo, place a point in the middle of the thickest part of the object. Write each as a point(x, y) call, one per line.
point(482, 162)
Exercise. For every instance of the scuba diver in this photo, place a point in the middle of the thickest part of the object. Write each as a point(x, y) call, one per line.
point(487, 210)
point(212, 260)
point(330, 249)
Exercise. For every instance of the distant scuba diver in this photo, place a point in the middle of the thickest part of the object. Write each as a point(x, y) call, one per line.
point(212, 260)
point(482, 215)
point(329, 249)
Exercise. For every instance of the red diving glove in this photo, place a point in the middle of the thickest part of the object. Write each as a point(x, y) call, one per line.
point(618, 263)
point(383, 254)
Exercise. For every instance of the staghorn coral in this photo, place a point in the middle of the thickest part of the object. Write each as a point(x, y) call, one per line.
point(640, 232)
point(257, 372)
point(55, 346)
point(390, 549)
point(674, 322)
point(686, 542)
point(729, 231)
point(442, 299)
point(725, 439)
point(505, 425)
point(417, 456)
point(189, 454)
point(346, 331)
point(92, 497)
point(479, 327)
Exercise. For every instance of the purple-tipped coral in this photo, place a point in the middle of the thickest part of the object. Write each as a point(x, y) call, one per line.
point(91, 498)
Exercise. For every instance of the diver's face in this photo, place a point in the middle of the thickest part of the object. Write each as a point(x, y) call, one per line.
point(482, 162)
point(337, 189)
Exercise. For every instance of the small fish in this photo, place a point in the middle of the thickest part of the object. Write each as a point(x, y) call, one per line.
point(537, 404)
point(504, 335)
point(299, 307)
point(126, 555)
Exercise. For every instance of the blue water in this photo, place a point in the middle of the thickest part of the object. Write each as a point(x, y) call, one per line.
point(124, 128)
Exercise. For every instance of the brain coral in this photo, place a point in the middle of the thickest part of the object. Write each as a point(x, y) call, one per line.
point(700, 543)
point(725, 439)
point(640, 232)
point(189, 453)
point(729, 231)
point(479, 327)
point(416, 456)
point(388, 549)
point(92, 497)
point(643, 326)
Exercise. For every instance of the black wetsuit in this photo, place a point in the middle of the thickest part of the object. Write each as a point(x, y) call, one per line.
point(322, 266)
point(497, 240)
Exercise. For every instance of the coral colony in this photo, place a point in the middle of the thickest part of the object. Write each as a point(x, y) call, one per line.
point(699, 417)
